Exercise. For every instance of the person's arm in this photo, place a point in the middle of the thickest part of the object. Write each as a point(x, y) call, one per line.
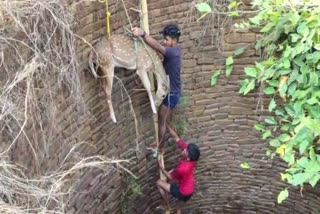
point(173, 133)
point(176, 137)
point(149, 40)
point(165, 172)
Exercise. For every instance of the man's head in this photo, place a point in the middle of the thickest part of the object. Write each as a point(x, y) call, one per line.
point(171, 34)
point(192, 152)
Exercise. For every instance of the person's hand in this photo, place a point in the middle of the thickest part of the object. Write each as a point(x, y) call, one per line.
point(137, 31)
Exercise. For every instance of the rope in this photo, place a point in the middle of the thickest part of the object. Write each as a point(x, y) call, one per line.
point(129, 33)
point(125, 9)
point(108, 15)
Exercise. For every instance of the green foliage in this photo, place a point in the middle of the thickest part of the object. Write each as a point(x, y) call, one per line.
point(229, 65)
point(204, 9)
point(291, 72)
point(283, 195)
point(215, 77)
point(239, 51)
point(245, 165)
point(181, 127)
point(133, 190)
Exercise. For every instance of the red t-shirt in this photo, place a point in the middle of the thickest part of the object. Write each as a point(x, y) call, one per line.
point(184, 173)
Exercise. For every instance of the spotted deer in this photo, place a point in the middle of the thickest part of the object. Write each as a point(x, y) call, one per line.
point(121, 51)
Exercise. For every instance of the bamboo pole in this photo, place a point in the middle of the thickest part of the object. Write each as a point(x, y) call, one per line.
point(145, 26)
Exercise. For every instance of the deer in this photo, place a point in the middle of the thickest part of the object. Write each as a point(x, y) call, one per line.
point(122, 51)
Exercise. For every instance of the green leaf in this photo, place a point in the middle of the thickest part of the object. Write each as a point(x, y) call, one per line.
point(229, 60)
point(290, 110)
point(203, 7)
point(229, 70)
point(312, 166)
point(269, 90)
point(302, 134)
point(213, 81)
point(283, 89)
point(285, 127)
point(244, 85)
point(267, 27)
point(280, 112)
point(249, 87)
point(298, 109)
point(255, 20)
point(214, 77)
point(303, 162)
point(303, 146)
point(252, 72)
point(284, 137)
point(314, 180)
point(312, 101)
point(232, 5)
point(292, 88)
point(295, 37)
point(270, 120)
point(317, 47)
point(275, 143)
point(266, 134)
point(233, 13)
point(259, 127)
point(286, 64)
point(300, 178)
point(314, 78)
point(312, 124)
point(284, 194)
point(245, 165)
point(285, 71)
point(239, 51)
point(303, 29)
point(312, 154)
point(273, 83)
point(294, 17)
point(272, 105)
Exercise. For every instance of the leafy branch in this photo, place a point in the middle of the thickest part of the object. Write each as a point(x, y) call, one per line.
point(291, 72)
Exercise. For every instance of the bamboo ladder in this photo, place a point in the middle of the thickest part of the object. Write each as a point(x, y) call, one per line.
point(145, 26)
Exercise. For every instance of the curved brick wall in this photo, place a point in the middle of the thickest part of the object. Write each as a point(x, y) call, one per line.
point(217, 118)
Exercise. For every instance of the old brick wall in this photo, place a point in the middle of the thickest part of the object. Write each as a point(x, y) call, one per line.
point(217, 118)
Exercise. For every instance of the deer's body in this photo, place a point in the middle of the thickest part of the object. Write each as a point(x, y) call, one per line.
point(121, 51)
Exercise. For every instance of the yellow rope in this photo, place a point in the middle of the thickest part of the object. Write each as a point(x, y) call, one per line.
point(108, 15)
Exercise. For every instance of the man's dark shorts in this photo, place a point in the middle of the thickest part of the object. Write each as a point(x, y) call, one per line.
point(171, 100)
point(175, 192)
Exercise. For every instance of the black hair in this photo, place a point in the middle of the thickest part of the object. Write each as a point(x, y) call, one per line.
point(193, 151)
point(172, 31)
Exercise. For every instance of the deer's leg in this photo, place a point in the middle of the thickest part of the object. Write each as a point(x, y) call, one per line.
point(146, 83)
point(108, 73)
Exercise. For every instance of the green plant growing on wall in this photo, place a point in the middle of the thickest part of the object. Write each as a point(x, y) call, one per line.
point(291, 72)
point(133, 190)
point(180, 123)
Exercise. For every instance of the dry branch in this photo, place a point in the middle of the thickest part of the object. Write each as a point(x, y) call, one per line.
point(38, 62)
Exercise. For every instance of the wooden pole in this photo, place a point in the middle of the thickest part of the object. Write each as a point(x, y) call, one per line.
point(145, 26)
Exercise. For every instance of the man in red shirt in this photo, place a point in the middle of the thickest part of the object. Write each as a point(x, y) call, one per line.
point(182, 175)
